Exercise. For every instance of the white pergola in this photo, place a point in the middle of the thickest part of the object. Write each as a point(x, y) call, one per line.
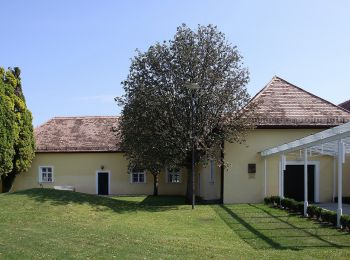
point(334, 142)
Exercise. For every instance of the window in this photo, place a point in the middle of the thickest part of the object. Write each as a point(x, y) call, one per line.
point(138, 176)
point(45, 174)
point(173, 176)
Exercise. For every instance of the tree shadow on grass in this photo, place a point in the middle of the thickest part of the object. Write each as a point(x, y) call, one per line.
point(277, 231)
point(102, 203)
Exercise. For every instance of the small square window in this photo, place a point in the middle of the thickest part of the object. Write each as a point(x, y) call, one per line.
point(173, 176)
point(138, 177)
point(45, 174)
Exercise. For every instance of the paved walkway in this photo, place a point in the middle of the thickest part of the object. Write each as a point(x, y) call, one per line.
point(334, 207)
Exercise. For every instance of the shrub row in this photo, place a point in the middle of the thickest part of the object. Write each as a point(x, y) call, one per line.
point(285, 203)
point(312, 210)
point(274, 200)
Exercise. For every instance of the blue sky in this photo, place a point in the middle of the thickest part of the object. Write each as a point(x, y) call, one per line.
point(74, 54)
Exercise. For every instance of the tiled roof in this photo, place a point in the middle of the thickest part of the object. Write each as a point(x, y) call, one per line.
point(282, 104)
point(345, 105)
point(78, 134)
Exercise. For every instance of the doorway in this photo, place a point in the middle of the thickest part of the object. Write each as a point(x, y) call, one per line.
point(102, 183)
point(294, 182)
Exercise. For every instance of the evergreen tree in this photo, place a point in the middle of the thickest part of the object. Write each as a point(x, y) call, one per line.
point(23, 143)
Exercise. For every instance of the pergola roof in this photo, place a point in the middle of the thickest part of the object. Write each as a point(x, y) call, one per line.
point(324, 142)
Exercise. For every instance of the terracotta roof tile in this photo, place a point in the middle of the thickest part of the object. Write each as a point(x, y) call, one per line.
point(345, 105)
point(284, 104)
point(78, 134)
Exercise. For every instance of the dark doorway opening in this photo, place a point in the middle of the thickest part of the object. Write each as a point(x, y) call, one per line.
point(294, 182)
point(102, 183)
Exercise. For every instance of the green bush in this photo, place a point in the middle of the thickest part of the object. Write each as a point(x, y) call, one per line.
point(290, 204)
point(329, 217)
point(318, 212)
point(345, 222)
point(275, 200)
point(267, 200)
point(284, 203)
point(311, 211)
point(299, 207)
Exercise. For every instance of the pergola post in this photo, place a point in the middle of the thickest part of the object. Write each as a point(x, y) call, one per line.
point(306, 203)
point(281, 175)
point(265, 178)
point(283, 169)
point(334, 178)
point(341, 160)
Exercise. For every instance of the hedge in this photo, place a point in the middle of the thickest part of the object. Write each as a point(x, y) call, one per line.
point(345, 222)
point(312, 210)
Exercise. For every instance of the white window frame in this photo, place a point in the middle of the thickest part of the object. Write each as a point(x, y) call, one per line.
point(138, 172)
point(41, 176)
point(167, 176)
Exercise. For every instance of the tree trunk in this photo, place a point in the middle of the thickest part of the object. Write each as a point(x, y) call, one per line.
point(189, 185)
point(155, 184)
point(7, 181)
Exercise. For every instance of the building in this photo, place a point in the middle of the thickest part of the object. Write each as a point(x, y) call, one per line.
point(83, 152)
point(345, 105)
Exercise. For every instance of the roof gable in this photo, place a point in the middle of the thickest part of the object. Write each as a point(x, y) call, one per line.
point(345, 105)
point(78, 134)
point(282, 104)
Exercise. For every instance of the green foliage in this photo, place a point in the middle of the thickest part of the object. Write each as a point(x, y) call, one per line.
point(318, 212)
point(311, 211)
point(267, 200)
point(157, 105)
point(8, 126)
point(299, 207)
point(345, 222)
point(276, 200)
point(288, 203)
point(16, 130)
point(329, 217)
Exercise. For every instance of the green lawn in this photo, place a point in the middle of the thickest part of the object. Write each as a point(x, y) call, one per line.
point(41, 223)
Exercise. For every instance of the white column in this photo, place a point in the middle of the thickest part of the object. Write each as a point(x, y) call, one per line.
point(265, 178)
point(334, 178)
point(341, 160)
point(281, 176)
point(306, 203)
point(282, 173)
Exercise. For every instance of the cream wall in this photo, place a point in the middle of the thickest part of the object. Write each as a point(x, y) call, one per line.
point(79, 170)
point(240, 187)
point(209, 188)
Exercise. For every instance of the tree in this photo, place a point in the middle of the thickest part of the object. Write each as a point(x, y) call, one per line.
point(8, 128)
point(157, 105)
point(21, 145)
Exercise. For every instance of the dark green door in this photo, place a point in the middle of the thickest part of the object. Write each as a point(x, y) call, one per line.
point(102, 185)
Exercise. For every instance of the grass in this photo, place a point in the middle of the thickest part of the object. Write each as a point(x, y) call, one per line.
point(41, 223)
